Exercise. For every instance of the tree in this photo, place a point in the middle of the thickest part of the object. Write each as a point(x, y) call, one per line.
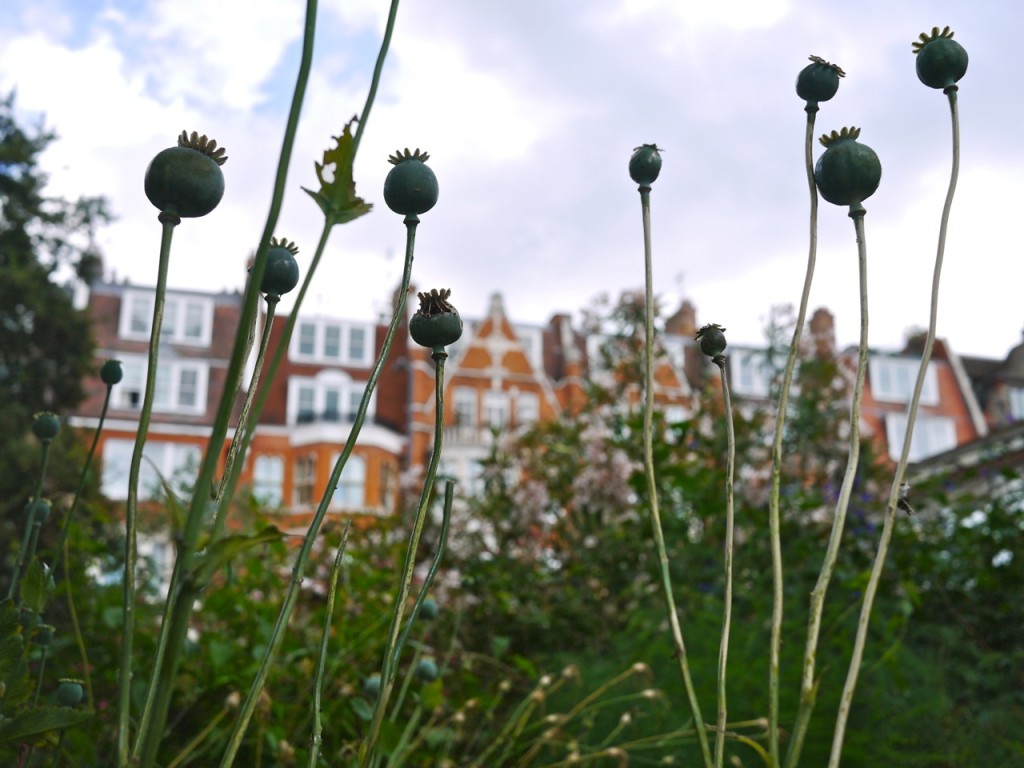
point(46, 346)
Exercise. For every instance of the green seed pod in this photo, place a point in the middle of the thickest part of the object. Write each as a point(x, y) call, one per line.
point(426, 670)
point(282, 271)
point(111, 372)
point(711, 339)
point(371, 686)
point(44, 634)
point(818, 81)
point(40, 511)
point(436, 323)
point(187, 180)
point(645, 164)
point(411, 186)
point(847, 173)
point(428, 609)
point(70, 692)
point(941, 61)
point(45, 426)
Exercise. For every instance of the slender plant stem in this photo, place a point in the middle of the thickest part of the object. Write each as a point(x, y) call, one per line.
point(79, 638)
point(890, 512)
point(230, 470)
point(774, 522)
point(168, 221)
point(191, 747)
point(289, 326)
point(298, 571)
point(652, 486)
point(808, 684)
point(375, 80)
point(392, 647)
point(321, 661)
point(723, 650)
point(24, 551)
point(60, 551)
point(181, 595)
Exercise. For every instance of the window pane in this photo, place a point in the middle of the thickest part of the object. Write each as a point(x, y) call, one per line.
point(169, 326)
point(306, 403)
point(527, 408)
point(495, 409)
point(465, 407)
point(307, 339)
point(351, 490)
point(357, 344)
point(162, 393)
point(332, 341)
point(188, 388)
point(129, 391)
point(194, 316)
point(141, 309)
point(305, 476)
point(332, 404)
point(267, 479)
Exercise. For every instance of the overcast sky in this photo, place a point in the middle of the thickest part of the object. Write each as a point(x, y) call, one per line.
point(530, 110)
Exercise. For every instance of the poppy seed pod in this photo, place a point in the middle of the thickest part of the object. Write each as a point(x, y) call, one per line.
point(186, 180)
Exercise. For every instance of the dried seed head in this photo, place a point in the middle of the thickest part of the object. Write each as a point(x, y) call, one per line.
point(203, 144)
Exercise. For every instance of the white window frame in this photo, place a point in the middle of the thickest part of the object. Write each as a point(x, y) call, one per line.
point(750, 373)
point(162, 460)
point(176, 306)
point(327, 380)
point(892, 380)
point(128, 395)
point(1015, 398)
point(345, 347)
point(268, 479)
point(932, 435)
point(303, 480)
point(350, 494)
point(527, 408)
point(464, 401)
point(495, 401)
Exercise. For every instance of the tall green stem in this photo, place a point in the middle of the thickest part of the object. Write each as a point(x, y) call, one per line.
point(181, 593)
point(298, 571)
point(723, 649)
point(774, 523)
point(392, 647)
point(231, 465)
point(168, 221)
point(321, 661)
point(652, 486)
point(809, 685)
point(375, 80)
point(24, 552)
point(890, 512)
point(59, 550)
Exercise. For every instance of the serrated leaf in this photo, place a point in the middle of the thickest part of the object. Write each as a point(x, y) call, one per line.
point(33, 722)
point(337, 197)
point(217, 554)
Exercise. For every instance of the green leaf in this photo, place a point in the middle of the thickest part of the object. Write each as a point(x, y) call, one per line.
point(432, 694)
point(35, 585)
point(33, 722)
point(362, 708)
point(337, 197)
point(216, 555)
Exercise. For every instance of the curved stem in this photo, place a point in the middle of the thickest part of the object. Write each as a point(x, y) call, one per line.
point(774, 522)
point(298, 571)
point(375, 80)
point(124, 676)
point(60, 551)
point(321, 661)
point(808, 684)
point(723, 649)
point(890, 512)
point(232, 466)
point(392, 648)
point(652, 487)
